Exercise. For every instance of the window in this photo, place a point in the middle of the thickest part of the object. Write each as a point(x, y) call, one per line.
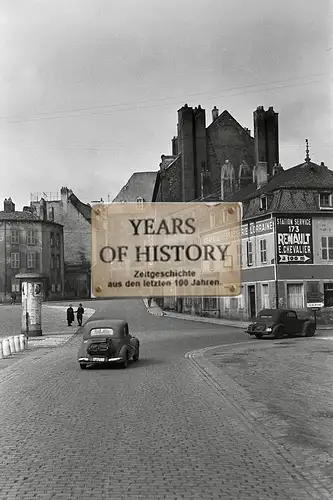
point(325, 200)
point(291, 314)
point(51, 214)
point(15, 286)
point(52, 239)
point(15, 237)
point(249, 253)
point(58, 261)
point(263, 203)
point(15, 260)
point(263, 251)
point(328, 294)
point(31, 238)
point(58, 288)
point(209, 303)
point(52, 261)
point(327, 247)
point(295, 296)
point(53, 288)
point(31, 260)
point(239, 256)
point(264, 296)
point(241, 303)
point(58, 240)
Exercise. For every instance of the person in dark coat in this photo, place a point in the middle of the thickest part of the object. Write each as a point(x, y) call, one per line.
point(70, 315)
point(79, 314)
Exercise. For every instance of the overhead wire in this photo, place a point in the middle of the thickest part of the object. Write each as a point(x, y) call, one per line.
point(89, 111)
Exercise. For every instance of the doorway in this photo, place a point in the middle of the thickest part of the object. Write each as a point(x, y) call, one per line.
point(252, 300)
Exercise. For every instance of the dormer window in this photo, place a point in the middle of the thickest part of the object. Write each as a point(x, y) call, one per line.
point(139, 199)
point(263, 203)
point(325, 200)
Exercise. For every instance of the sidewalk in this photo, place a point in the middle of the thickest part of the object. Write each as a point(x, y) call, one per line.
point(55, 330)
point(54, 325)
point(157, 311)
point(284, 386)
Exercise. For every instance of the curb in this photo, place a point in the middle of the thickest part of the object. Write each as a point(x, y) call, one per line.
point(256, 416)
point(155, 310)
point(217, 321)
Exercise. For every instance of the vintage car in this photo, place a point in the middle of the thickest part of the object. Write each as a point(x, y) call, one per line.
point(107, 341)
point(278, 323)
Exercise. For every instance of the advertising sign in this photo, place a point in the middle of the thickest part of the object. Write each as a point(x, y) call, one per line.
point(157, 249)
point(220, 235)
point(294, 240)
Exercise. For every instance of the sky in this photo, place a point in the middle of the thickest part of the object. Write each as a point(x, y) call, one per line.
point(89, 90)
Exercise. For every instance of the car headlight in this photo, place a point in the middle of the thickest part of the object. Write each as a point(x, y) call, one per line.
point(269, 329)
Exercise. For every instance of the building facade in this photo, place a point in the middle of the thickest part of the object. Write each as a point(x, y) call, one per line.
point(201, 155)
point(286, 249)
point(75, 217)
point(30, 242)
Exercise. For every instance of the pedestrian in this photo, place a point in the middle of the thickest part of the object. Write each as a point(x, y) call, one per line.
point(13, 298)
point(79, 314)
point(70, 315)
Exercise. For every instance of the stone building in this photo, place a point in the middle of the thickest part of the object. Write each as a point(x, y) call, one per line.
point(75, 217)
point(224, 163)
point(30, 241)
point(201, 154)
point(139, 187)
point(286, 243)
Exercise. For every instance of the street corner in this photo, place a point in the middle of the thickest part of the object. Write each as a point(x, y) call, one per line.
point(153, 308)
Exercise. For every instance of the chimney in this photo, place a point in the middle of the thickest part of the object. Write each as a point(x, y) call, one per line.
point(266, 137)
point(215, 113)
point(8, 206)
point(27, 209)
point(42, 209)
point(175, 146)
point(260, 172)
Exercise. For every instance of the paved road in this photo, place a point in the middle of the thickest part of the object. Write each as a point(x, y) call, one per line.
point(156, 430)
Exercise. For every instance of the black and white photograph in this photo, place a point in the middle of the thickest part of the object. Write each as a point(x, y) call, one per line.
point(166, 250)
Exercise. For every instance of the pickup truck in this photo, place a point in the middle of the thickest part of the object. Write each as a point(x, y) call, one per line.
point(278, 323)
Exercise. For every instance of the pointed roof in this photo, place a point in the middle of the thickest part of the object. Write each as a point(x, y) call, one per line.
point(140, 184)
point(81, 207)
point(225, 115)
